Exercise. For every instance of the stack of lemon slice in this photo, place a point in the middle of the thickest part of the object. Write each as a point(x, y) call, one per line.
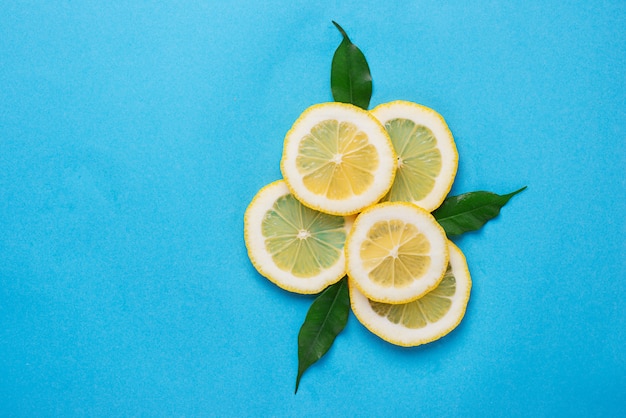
point(356, 199)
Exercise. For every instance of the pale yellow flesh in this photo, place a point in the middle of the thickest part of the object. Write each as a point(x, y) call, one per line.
point(301, 240)
point(336, 160)
point(428, 309)
point(395, 253)
point(419, 160)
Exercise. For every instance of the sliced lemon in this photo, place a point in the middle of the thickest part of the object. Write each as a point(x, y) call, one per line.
point(297, 248)
point(396, 252)
point(427, 156)
point(338, 159)
point(424, 320)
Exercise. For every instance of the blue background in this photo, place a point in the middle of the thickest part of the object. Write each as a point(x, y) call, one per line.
point(134, 134)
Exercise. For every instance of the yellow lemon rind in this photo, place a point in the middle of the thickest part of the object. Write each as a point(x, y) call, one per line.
point(262, 260)
point(402, 336)
point(422, 115)
point(410, 213)
point(343, 112)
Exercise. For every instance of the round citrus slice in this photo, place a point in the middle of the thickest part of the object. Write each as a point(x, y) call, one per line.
point(396, 252)
point(424, 320)
point(338, 159)
point(297, 248)
point(427, 156)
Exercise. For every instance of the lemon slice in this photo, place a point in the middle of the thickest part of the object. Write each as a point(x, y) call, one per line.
point(427, 156)
point(297, 248)
point(338, 159)
point(424, 320)
point(396, 252)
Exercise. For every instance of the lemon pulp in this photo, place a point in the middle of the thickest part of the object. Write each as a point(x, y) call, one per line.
point(301, 240)
point(395, 253)
point(419, 160)
point(428, 309)
point(337, 160)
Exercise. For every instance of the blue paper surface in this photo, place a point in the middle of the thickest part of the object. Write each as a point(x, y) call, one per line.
point(133, 135)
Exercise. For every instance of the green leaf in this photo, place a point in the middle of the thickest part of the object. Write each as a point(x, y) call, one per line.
point(350, 78)
point(470, 211)
point(326, 318)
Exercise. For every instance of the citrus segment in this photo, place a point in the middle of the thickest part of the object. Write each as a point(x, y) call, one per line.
point(338, 159)
point(427, 157)
point(396, 252)
point(297, 248)
point(423, 320)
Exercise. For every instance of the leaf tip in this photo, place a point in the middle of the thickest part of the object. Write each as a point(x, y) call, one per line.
point(340, 29)
point(298, 381)
point(510, 195)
